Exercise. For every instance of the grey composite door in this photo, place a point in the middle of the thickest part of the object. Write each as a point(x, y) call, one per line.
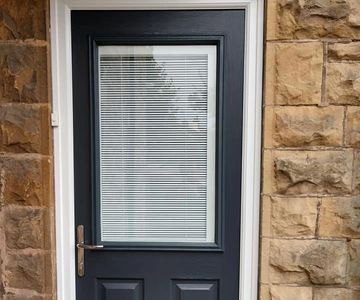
point(157, 144)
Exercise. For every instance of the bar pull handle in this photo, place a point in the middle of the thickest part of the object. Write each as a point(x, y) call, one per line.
point(89, 247)
point(81, 247)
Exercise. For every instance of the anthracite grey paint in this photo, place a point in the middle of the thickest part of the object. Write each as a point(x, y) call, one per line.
point(158, 272)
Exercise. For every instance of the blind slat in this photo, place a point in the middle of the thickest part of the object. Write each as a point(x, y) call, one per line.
point(156, 135)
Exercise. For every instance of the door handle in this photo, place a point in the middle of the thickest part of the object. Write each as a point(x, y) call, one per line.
point(81, 247)
point(89, 247)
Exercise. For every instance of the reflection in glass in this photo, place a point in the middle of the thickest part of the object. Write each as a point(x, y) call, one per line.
point(157, 143)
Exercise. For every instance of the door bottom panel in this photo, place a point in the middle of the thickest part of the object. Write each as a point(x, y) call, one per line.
point(113, 289)
point(195, 290)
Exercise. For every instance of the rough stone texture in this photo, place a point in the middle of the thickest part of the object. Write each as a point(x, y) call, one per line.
point(311, 162)
point(290, 292)
point(298, 82)
point(354, 263)
point(25, 179)
point(293, 216)
point(308, 261)
point(26, 228)
point(303, 126)
point(264, 292)
point(24, 128)
point(311, 19)
point(344, 52)
point(278, 292)
point(24, 19)
point(336, 294)
point(352, 128)
point(28, 271)
point(23, 73)
point(27, 266)
point(356, 179)
point(2, 285)
point(343, 83)
point(308, 172)
point(28, 297)
point(340, 217)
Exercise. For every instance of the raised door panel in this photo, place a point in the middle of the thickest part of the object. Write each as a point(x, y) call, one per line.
point(120, 290)
point(195, 290)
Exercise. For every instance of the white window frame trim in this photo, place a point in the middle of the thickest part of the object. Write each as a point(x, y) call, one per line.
point(63, 130)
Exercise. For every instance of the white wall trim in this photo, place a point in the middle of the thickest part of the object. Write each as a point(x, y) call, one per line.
point(63, 132)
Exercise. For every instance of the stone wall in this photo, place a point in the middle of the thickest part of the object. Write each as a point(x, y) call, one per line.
point(311, 161)
point(26, 201)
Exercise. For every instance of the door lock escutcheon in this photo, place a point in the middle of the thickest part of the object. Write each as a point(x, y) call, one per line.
point(81, 247)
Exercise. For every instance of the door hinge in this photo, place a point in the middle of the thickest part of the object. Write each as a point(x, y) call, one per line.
point(54, 120)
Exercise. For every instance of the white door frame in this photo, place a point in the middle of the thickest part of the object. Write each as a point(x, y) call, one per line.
point(62, 122)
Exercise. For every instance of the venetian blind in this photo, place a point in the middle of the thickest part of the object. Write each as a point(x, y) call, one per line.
point(157, 143)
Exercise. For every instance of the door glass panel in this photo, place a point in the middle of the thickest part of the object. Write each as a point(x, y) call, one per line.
point(156, 139)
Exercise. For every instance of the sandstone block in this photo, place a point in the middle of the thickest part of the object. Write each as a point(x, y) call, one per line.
point(29, 271)
point(343, 83)
point(26, 227)
point(272, 17)
point(354, 16)
point(23, 21)
point(25, 128)
point(2, 287)
point(266, 227)
point(298, 82)
point(264, 292)
point(352, 135)
point(308, 261)
point(264, 261)
point(356, 183)
point(336, 294)
point(311, 19)
point(340, 217)
point(354, 263)
point(340, 51)
point(308, 172)
point(27, 296)
point(282, 292)
point(25, 179)
point(293, 216)
point(279, 292)
point(303, 126)
point(23, 73)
